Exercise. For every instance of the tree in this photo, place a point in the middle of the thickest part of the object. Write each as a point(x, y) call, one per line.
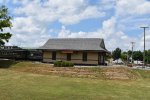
point(4, 23)
point(129, 53)
point(124, 56)
point(138, 55)
point(116, 53)
point(147, 54)
point(108, 57)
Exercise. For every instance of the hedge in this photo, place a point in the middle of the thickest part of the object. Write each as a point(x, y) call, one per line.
point(63, 64)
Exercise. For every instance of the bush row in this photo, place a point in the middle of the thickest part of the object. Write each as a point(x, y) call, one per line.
point(63, 64)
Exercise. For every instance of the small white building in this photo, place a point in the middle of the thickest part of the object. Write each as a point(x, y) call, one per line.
point(118, 61)
point(138, 62)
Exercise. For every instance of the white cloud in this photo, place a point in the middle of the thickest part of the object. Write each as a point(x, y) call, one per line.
point(107, 4)
point(132, 7)
point(31, 29)
point(32, 17)
point(108, 26)
point(112, 37)
point(27, 32)
point(148, 38)
point(89, 12)
point(66, 12)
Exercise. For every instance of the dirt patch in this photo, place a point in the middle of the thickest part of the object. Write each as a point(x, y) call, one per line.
point(62, 71)
point(102, 73)
point(119, 73)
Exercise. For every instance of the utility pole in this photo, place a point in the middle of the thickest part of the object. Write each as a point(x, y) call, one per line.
point(127, 57)
point(132, 43)
point(144, 46)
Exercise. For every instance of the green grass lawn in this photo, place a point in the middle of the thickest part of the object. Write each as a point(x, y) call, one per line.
point(15, 85)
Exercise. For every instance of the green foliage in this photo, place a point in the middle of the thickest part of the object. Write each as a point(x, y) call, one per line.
point(63, 64)
point(138, 55)
point(147, 56)
point(116, 53)
point(124, 56)
point(108, 56)
point(6, 63)
point(4, 23)
point(129, 53)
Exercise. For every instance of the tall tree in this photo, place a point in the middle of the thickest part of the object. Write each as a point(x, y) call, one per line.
point(4, 23)
point(129, 53)
point(147, 54)
point(138, 55)
point(116, 53)
point(124, 56)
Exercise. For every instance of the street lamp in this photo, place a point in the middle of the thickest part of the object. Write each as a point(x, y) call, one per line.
point(127, 56)
point(132, 43)
point(144, 46)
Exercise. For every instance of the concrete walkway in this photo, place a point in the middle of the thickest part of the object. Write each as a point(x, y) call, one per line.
point(141, 67)
point(100, 66)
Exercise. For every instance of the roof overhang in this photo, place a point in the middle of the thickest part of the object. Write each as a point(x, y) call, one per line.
point(74, 50)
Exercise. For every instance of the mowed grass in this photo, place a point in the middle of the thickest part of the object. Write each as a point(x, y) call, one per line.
point(15, 85)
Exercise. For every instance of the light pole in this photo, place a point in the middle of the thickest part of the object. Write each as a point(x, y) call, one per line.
point(144, 46)
point(127, 57)
point(132, 43)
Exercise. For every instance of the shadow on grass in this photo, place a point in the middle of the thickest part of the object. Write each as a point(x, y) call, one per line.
point(6, 63)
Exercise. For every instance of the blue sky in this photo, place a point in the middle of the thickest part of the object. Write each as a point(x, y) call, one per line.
point(117, 21)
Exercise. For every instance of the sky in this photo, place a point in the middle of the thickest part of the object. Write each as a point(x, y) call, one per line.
point(118, 22)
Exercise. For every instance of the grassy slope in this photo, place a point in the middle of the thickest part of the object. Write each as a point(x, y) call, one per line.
point(95, 72)
point(143, 73)
point(26, 86)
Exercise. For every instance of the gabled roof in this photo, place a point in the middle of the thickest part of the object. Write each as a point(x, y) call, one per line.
point(91, 44)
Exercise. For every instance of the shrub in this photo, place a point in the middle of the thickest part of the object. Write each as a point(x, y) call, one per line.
point(67, 64)
point(63, 64)
point(57, 63)
point(71, 64)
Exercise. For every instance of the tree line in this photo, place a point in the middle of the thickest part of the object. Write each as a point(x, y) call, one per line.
point(127, 55)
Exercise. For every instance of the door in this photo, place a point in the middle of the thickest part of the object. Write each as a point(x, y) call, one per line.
point(100, 59)
point(68, 56)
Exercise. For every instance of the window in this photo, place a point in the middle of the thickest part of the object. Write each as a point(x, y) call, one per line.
point(84, 56)
point(68, 56)
point(53, 55)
